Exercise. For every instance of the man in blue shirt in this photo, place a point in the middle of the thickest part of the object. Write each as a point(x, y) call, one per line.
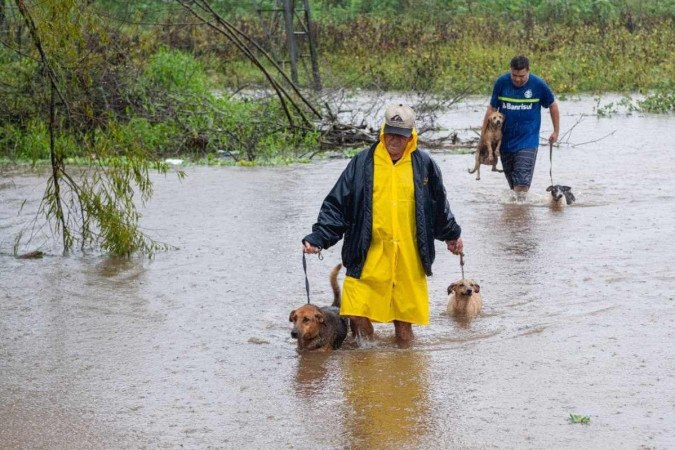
point(520, 96)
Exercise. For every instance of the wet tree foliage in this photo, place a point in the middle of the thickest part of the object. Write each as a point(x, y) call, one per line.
point(70, 97)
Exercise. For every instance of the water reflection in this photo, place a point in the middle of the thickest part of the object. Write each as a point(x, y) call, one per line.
point(112, 266)
point(462, 321)
point(311, 373)
point(518, 236)
point(388, 404)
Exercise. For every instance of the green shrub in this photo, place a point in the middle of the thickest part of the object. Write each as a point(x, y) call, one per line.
point(156, 139)
point(256, 131)
point(30, 143)
point(174, 72)
point(659, 102)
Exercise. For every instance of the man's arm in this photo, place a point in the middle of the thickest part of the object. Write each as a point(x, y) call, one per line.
point(444, 226)
point(332, 221)
point(555, 119)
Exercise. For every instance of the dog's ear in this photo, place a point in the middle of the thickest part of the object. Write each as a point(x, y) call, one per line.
point(476, 286)
point(451, 288)
point(320, 317)
point(292, 316)
point(565, 188)
point(569, 197)
point(549, 189)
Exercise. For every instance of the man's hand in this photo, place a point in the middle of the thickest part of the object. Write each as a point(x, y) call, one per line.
point(555, 121)
point(456, 246)
point(309, 248)
point(553, 138)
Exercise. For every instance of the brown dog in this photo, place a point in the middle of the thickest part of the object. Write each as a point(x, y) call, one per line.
point(320, 328)
point(489, 143)
point(464, 298)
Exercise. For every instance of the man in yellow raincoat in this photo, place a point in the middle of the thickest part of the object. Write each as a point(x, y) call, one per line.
point(389, 204)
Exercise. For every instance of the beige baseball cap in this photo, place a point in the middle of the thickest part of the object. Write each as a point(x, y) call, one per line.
point(399, 119)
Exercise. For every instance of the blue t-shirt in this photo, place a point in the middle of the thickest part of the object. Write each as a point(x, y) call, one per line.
point(521, 107)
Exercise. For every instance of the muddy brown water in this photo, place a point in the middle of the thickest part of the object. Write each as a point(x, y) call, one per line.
point(192, 349)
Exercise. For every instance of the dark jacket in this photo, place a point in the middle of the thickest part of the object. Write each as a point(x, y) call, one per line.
point(348, 211)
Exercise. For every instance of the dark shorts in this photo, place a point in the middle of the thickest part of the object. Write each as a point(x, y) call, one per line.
point(519, 166)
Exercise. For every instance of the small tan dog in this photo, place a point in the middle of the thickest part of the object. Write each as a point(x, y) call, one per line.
point(489, 143)
point(320, 328)
point(464, 298)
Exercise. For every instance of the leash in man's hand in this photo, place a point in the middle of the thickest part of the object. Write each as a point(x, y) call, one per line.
point(550, 156)
point(304, 267)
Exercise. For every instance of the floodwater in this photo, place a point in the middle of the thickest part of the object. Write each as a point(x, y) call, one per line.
point(192, 349)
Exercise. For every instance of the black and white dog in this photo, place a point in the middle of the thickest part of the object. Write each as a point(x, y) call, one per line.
point(558, 191)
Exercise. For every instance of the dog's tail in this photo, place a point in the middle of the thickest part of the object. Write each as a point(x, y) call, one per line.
point(334, 284)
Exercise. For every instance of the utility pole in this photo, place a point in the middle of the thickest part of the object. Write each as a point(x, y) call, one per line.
point(289, 6)
point(297, 24)
point(312, 47)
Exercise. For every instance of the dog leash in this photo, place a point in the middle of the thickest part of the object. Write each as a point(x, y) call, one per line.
point(304, 267)
point(461, 263)
point(550, 156)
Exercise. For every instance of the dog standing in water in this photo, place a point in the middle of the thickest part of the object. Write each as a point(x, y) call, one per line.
point(558, 192)
point(489, 143)
point(320, 328)
point(464, 298)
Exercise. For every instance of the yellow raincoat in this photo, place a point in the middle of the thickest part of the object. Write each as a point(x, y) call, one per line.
point(393, 285)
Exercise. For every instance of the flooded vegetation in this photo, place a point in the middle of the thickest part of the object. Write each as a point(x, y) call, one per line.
point(193, 349)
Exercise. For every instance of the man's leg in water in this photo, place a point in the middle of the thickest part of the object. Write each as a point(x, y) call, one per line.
point(520, 171)
point(404, 333)
point(361, 327)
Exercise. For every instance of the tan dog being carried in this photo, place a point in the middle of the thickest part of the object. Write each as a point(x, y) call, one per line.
point(320, 328)
point(489, 143)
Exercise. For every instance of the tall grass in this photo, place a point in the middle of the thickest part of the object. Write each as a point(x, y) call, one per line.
point(475, 50)
point(577, 45)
